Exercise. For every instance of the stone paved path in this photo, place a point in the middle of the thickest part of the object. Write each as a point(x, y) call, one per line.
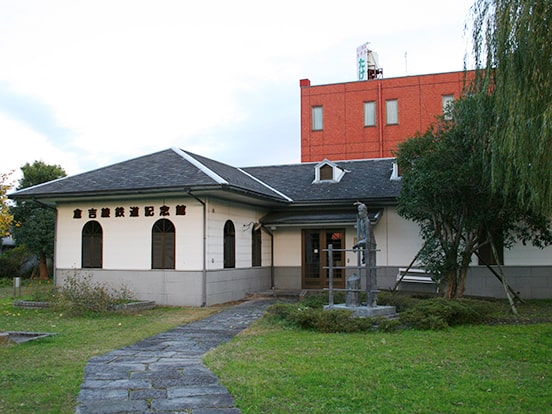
point(165, 373)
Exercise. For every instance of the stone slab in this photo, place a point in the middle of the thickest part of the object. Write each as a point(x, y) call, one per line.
point(366, 311)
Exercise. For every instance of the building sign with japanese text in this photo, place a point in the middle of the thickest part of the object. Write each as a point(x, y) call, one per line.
point(130, 211)
point(367, 63)
point(362, 61)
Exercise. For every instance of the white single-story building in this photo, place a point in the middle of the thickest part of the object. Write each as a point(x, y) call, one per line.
point(182, 229)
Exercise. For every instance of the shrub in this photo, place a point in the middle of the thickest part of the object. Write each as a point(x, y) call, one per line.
point(401, 302)
point(319, 300)
point(440, 313)
point(433, 313)
point(80, 294)
point(326, 321)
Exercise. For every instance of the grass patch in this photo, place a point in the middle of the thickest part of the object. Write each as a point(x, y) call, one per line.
point(498, 368)
point(44, 376)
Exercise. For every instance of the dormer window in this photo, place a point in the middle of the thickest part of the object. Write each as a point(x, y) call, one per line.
point(328, 172)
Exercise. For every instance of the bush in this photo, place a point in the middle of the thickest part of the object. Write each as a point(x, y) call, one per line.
point(440, 313)
point(400, 301)
point(433, 314)
point(80, 294)
point(319, 300)
point(327, 321)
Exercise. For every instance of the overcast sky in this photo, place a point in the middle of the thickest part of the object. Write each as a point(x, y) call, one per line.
point(85, 84)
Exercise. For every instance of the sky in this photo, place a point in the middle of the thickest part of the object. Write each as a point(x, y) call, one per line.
point(86, 84)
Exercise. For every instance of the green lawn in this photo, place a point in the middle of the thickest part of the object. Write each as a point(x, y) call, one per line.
point(504, 368)
point(44, 376)
point(467, 369)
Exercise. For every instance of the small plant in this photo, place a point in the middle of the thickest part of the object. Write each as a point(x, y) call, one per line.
point(327, 321)
point(80, 294)
point(43, 292)
point(318, 300)
point(440, 313)
point(399, 301)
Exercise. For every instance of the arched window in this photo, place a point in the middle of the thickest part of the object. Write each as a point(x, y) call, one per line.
point(229, 245)
point(256, 247)
point(162, 245)
point(92, 242)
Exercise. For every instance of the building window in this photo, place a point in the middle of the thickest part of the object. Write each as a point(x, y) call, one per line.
point(447, 101)
point(163, 245)
point(229, 245)
point(392, 111)
point(92, 242)
point(256, 250)
point(369, 113)
point(317, 118)
point(326, 173)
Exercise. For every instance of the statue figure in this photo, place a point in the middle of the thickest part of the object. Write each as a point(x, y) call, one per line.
point(362, 228)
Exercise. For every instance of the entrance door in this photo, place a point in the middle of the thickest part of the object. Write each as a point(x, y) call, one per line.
point(315, 241)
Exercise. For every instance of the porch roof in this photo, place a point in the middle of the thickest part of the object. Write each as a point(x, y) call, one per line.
point(316, 218)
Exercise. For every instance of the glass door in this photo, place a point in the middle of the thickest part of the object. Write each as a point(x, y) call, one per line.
point(315, 259)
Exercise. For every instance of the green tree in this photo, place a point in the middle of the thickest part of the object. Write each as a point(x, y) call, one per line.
point(35, 222)
point(446, 189)
point(513, 55)
point(5, 216)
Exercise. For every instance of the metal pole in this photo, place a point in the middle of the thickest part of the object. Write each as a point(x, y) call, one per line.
point(330, 274)
point(371, 246)
point(368, 265)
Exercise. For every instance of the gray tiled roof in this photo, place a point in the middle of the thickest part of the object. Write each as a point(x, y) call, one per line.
point(177, 171)
point(364, 180)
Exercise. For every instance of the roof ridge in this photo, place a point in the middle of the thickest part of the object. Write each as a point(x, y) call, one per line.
point(265, 184)
point(200, 165)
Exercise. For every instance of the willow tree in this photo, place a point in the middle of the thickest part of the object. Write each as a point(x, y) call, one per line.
point(513, 57)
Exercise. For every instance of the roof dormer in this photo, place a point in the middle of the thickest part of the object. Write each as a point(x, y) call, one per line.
point(328, 172)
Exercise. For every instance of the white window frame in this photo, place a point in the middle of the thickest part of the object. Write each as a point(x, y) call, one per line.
point(392, 111)
point(369, 113)
point(317, 118)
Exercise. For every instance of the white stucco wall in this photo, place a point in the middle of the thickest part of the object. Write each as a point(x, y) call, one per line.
point(520, 255)
point(243, 217)
point(127, 250)
point(287, 246)
point(398, 240)
point(127, 240)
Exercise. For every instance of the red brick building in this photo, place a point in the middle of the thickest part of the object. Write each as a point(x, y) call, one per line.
point(367, 119)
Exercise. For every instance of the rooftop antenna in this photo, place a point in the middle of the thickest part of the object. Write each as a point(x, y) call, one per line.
point(406, 63)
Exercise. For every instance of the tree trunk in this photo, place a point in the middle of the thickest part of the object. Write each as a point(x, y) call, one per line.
point(462, 273)
point(43, 268)
point(452, 285)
